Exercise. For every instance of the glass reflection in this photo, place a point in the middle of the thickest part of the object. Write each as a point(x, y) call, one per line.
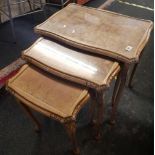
point(55, 53)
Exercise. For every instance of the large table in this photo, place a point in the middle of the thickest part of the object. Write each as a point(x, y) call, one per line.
point(101, 33)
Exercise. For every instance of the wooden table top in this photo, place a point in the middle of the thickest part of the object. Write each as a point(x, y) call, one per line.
point(71, 64)
point(47, 95)
point(98, 31)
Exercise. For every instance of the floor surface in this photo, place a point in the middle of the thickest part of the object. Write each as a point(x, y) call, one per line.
point(134, 131)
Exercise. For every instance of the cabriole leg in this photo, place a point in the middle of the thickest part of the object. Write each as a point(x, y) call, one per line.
point(120, 84)
point(32, 117)
point(100, 114)
point(132, 75)
point(71, 131)
point(93, 105)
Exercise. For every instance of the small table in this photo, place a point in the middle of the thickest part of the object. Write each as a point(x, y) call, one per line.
point(101, 33)
point(56, 103)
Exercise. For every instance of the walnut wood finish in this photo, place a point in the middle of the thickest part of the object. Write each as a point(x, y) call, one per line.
point(57, 99)
point(92, 107)
point(97, 111)
point(71, 131)
point(100, 113)
point(132, 75)
point(118, 90)
point(114, 35)
point(93, 72)
point(117, 84)
point(71, 64)
point(43, 97)
point(98, 31)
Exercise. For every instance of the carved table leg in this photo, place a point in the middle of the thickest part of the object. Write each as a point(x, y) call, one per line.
point(120, 84)
point(92, 107)
point(100, 113)
point(116, 87)
point(71, 130)
point(32, 117)
point(132, 75)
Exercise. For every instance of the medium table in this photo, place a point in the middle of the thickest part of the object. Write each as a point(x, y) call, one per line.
point(71, 64)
